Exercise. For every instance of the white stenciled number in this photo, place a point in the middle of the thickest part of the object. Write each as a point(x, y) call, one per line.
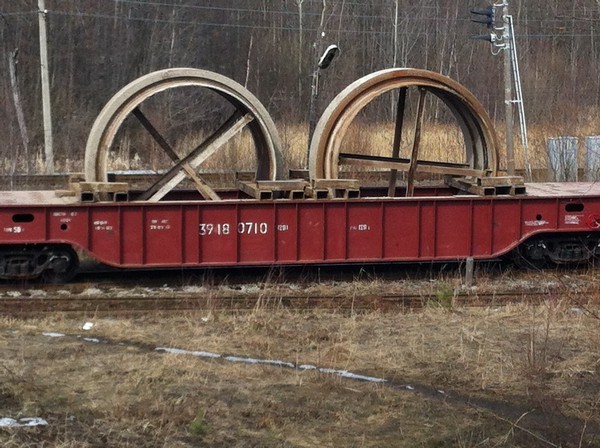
point(205, 229)
point(253, 228)
point(216, 229)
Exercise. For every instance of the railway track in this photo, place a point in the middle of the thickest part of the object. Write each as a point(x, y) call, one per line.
point(125, 303)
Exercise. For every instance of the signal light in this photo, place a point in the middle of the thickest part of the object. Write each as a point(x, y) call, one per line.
point(488, 16)
point(491, 38)
point(328, 56)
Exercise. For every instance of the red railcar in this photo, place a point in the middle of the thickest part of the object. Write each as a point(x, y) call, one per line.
point(553, 223)
point(477, 212)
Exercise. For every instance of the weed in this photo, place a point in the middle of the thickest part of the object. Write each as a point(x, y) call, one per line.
point(540, 351)
point(443, 297)
point(199, 427)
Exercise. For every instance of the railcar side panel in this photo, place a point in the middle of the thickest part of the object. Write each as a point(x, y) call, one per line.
point(256, 233)
point(539, 215)
point(573, 214)
point(427, 232)
point(401, 230)
point(191, 230)
point(217, 231)
point(481, 242)
point(453, 229)
point(364, 231)
point(133, 236)
point(104, 226)
point(287, 233)
point(69, 223)
point(230, 233)
point(23, 225)
point(311, 235)
point(336, 238)
point(506, 225)
point(162, 235)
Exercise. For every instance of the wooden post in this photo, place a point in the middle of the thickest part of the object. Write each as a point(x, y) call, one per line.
point(47, 110)
point(14, 83)
point(397, 138)
point(412, 170)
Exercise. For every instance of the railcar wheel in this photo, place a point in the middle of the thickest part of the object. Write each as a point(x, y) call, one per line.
point(528, 258)
point(63, 264)
point(248, 113)
point(480, 142)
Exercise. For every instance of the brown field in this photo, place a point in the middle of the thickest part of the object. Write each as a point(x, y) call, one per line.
point(440, 142)
point(512, 376)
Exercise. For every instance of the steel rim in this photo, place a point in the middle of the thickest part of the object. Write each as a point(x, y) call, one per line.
point(481, 147)
point(267, 143)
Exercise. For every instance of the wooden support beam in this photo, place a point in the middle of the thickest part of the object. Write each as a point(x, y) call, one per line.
point(268, 189)
point(397, 139)
point(201, 186)
point(414, 158)
point(97, 191)
point(195, 158)
point(403, 165)
point(488, 186)
point(470, 187)
point(333, 189)
point(335, 183)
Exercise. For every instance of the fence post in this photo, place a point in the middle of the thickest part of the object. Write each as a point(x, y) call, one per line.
point(470, 272)
point(592, 158)
point(562, 159)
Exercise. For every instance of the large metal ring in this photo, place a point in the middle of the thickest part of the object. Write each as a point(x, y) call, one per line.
point(481, 147)
point(266, 138)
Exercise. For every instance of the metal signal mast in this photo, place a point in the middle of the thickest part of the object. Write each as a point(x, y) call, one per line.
point(502, 38)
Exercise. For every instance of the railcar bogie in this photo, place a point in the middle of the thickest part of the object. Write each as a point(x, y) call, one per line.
point(557, 249)
point(52, 263)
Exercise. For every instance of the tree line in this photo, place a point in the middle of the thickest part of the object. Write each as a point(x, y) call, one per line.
point(272, 46)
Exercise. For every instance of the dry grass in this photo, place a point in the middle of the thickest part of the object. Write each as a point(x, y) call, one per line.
point(494, 365)
point(440, 142)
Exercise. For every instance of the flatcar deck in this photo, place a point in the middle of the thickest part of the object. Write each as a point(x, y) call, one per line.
point(34, 198)
point(563, 189)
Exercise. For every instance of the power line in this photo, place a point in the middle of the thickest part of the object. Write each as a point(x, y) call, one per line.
point(407, 15)
point(284, 28)
point(332, 14)
point(294, 13)
point(565, 33)
point(20, 13)
point(266, 9)
point(213, 24)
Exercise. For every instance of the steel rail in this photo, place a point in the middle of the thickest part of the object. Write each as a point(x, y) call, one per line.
point(31, 306)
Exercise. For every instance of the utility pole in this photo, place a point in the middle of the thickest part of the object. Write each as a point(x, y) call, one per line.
point(508, 94)
point(47, 110)
point(506, 42)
